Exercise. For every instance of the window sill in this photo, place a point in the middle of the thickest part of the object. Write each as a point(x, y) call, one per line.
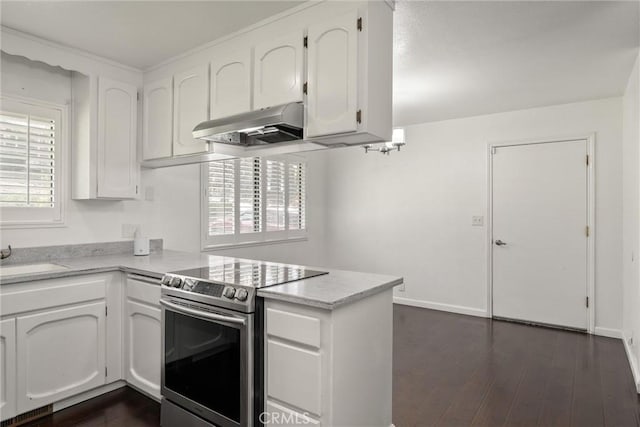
point(212, 248)
point(26, 224)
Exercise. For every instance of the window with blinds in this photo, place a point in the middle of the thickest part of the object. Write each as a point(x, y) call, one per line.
point(29, 162)
point(253, 200)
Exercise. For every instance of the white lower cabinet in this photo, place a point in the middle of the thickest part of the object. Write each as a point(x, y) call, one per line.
point(61, 353)
point(7, 369)
point(329, 367)
point(143, 342)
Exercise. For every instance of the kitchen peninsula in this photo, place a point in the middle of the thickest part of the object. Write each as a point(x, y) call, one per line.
point(327, 340)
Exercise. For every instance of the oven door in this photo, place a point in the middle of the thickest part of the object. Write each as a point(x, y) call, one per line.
point(207, 361)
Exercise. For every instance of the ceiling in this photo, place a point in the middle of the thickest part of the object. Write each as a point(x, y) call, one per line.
point(458, 59)
point(136, 33)
point(451, 58)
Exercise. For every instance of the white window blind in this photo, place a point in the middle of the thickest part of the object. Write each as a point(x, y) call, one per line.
point(250, 187)
point(27, 161)
point(221, 198)
point(252, 200)
point(275, 195)
point(297, 195)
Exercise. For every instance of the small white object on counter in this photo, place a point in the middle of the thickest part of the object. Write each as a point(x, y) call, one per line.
point(140, 244)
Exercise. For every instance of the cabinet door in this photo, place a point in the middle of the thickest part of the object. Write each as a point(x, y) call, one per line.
point(231, 84)
point(278, 70)
point(333, 76)
point(117, 166)
point(157, 129)
point(144, 347)
point(7, 369)
point(190, 107)
point(60, 353)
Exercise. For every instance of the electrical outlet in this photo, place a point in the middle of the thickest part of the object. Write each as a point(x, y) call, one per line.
point(128, 230)
point(149, 193)
point(477, 221)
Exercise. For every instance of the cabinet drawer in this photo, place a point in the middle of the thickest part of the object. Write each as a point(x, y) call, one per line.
point(294, 376)
point(293, 327)
point(143, 291)
point(42, 294)
point(278, 415)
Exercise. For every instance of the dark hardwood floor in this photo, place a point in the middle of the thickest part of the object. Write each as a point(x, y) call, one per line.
point(124, 407)
point(454, 370)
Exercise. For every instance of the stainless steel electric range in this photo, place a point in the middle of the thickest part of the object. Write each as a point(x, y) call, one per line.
point(212, 339)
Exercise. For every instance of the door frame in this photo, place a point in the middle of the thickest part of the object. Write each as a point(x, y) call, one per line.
point(590, 141)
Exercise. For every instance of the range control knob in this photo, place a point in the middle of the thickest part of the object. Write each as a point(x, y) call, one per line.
point(166, 280)
point(188, 284)
point(175, 282)
point(229, 292)
point(242, 294)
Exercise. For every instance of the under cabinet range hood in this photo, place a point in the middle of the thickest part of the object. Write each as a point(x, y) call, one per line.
point(282, 123)
point(269, 131)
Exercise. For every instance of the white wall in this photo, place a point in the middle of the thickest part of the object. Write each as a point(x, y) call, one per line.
point(173, 214)
point(631, 216)
point(410, 213)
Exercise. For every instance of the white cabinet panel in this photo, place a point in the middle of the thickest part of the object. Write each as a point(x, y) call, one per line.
point(117, 166)
point(190, 107)
point(294, 327)
point(158, 119)
point(278, 71)
point(143, 347)
point(231, 84)
point(7, 368)
point(294, 376)
point(61, 353)
point(333, 76)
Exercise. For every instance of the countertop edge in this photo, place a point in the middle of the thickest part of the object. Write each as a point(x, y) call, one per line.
point(280, 296)
point(51, 275)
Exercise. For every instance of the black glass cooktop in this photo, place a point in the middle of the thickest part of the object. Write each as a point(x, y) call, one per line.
point(257, 275)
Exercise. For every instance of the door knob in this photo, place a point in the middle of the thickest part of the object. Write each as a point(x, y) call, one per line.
point(500, 243)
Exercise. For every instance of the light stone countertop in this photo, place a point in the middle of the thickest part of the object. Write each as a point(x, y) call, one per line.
point(328, 291)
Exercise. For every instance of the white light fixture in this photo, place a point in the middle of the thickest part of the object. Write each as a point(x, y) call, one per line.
point(397, 141)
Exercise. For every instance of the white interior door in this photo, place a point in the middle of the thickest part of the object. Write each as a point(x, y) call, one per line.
point(539, 246)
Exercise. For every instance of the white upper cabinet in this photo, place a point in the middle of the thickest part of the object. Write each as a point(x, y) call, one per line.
point(191, 106)
point(61, 353)
point(231, 84)
point(158, 119)
point(7, 369)
point(117, 115)
point(104, 138)
point(332, 97)
point(343, 75)
point(278, 71)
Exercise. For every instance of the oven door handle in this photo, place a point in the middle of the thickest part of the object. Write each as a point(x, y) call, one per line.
point(202, 314)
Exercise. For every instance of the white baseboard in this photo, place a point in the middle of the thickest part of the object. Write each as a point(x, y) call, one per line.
point(632, 362)
point(459, 309)
point(608, 332)
point(73, 400)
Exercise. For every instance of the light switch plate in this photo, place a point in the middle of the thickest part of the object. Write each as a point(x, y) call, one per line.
point(477, 221)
